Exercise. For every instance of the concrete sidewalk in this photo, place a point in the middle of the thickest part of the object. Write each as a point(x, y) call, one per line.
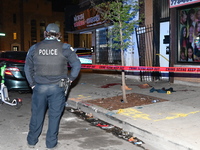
point(170, 125)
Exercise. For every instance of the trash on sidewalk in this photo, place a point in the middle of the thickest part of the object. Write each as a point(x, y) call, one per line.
point(102, 125)
point(122, 100)
point(168, 92)
point(163, 90)
point(138, 143)
point(135, 141)
point(154, 101)
point(139, 107)
point(108, 127)
point(131, 139)
point(90, 115)
point(120, 111)
point(94, 122)
point(126, 87)
point(105, 126)
point(144, 86)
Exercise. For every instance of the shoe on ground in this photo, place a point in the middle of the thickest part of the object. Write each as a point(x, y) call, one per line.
point(126, 87)
point(30, 146)
point(55, 147)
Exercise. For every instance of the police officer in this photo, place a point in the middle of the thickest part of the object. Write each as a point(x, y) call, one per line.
point(46, 65)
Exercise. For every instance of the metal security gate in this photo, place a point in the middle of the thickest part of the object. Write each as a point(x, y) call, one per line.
point(146, 50)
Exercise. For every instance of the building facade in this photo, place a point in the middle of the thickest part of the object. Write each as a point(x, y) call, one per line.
point(184, 39)
point(89, 30)
point(86, 29)
point(24, 22)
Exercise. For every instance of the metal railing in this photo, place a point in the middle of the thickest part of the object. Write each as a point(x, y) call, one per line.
point(146, 50)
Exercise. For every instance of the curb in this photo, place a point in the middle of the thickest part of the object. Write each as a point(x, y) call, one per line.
point(156, 142)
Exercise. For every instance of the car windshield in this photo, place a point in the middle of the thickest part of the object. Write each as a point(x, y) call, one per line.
point(14, 55)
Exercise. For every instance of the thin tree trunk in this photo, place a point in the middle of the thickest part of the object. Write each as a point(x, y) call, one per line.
point(123, 73)
point(123, 87)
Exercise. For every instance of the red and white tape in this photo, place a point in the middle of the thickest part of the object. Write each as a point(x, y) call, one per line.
point(134, 68)
point(142, 68)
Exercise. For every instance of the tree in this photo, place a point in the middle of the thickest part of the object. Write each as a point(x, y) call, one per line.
point(122, 15)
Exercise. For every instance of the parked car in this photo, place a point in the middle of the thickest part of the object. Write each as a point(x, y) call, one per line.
point(84, 54)
point(14, 73)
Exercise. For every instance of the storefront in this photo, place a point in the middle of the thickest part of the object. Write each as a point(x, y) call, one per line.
point(90, 21)
point(185, 37)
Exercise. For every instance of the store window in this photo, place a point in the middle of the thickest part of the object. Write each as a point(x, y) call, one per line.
point(104, 53)
point(42, 29)
point(189, 35)
point(15, 48)
point(101, 45)
point(33, 32)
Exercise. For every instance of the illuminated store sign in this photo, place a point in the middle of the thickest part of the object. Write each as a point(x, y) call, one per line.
point(86, 19)
point(178, 3)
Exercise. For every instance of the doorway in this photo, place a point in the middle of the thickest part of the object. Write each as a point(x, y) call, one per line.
point(164, 48)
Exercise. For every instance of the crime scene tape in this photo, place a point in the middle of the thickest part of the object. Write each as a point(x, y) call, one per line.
point(163, 57)
point(137, 68)
point(142, 68)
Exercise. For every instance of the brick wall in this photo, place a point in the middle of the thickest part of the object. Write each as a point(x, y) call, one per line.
point(32, 9)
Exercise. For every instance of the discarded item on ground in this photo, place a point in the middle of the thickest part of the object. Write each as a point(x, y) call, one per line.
point(163, 90)
point(138, 143)
point(94, 122)
point(105, 126)
point(126, 87)
point(102, 125)
point(120, 111)
point(158, 90)
point(142, 98)
point(135, 141)
point(132, 139)
point(143, 86)
point(71, 110)
point(89, 115)
point(122, 100)
point(110, 128)
point(170, 89)
point(154, 101)
point(168, 92)
point(139, 107)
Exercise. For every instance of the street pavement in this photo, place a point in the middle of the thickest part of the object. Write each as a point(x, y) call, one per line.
point(169, 125)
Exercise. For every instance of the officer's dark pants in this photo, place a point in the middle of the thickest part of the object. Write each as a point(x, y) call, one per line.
point(49, 96)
